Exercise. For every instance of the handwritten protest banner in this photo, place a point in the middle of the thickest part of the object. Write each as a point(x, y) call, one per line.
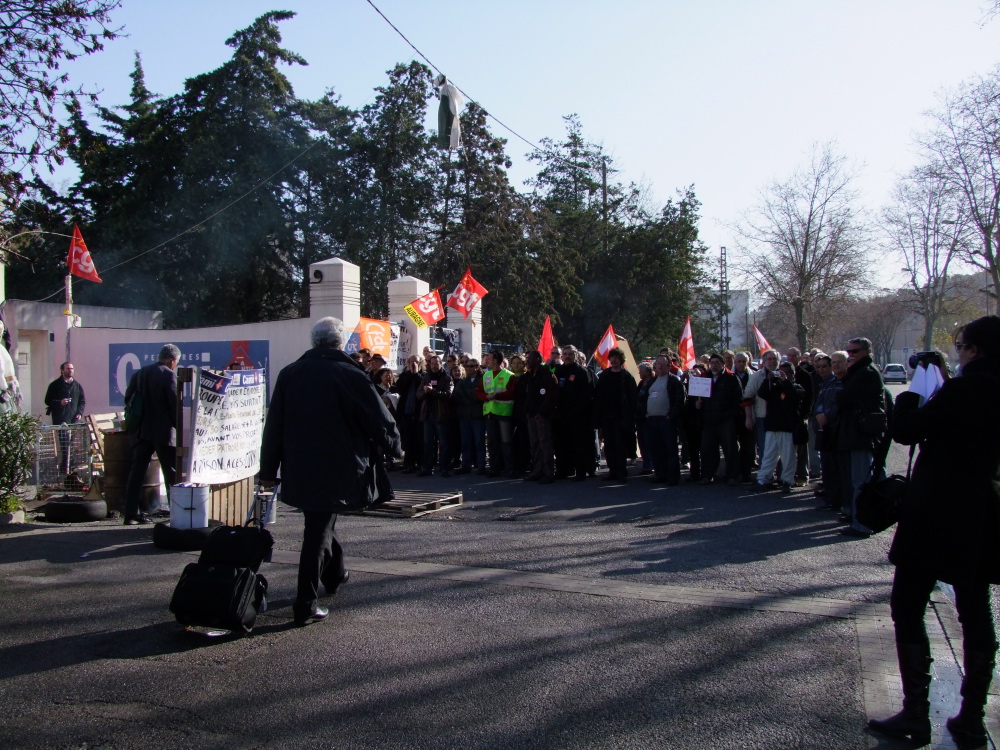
point(228, 426)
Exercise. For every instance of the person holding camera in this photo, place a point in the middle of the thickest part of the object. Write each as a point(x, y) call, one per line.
point(784, 397)
point(949, 530)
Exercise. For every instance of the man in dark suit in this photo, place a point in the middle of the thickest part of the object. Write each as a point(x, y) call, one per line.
point(326, 430)
point(157, 431)
point(718, 423)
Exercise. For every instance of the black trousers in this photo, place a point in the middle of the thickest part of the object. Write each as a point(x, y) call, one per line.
point(142, 452)
point(411, 431)
point(832, 478)
point(616, 434)
point(713, 436)
point(911, 591)
point(802, 462)
point(65, 441)
point(573, 439)
point(321, 559)
point(747, 442)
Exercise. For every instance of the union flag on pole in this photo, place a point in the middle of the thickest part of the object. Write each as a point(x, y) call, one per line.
point(466, 294)
point(685, 349)
point(79, 261)
point(375, 335)
point(546, 343)
point(425, 311)
point(608, 342)
point(762, 344)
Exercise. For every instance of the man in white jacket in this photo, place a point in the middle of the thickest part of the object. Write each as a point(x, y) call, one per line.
point(755, 406)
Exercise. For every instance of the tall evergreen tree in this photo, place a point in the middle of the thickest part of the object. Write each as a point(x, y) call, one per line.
point(392, 192)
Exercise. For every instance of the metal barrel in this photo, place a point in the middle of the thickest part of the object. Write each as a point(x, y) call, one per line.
point(117, 465)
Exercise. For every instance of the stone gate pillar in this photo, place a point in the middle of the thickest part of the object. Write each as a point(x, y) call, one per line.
point(412, 340)
point(335, 290)
point(472, 329)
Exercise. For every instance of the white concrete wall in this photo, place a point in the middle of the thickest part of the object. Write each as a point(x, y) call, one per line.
point(114, 341)
point(99, 375)
point(41, 328)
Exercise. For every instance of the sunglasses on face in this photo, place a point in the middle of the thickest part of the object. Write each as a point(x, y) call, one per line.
point(854, 351)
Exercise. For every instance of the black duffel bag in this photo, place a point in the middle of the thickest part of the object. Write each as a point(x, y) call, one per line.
point(878, 503)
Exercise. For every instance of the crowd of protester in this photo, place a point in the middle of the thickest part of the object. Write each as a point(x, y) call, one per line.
point(783, 422)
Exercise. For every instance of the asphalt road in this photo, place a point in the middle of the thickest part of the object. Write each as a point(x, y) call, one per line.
point(90, 657)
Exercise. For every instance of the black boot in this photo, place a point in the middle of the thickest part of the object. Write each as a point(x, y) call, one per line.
point(915, 673)
point(967, 728)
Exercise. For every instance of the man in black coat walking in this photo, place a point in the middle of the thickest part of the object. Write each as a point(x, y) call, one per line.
point(156, 384)
point(326, 430)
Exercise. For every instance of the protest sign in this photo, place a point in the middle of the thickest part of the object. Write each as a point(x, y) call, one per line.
point(228, 425)
point(700, 387)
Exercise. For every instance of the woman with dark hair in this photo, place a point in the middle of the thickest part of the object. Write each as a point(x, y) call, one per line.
point(949, 530)
point(383, 379)
point(646, 378)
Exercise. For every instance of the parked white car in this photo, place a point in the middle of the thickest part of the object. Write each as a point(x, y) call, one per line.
point(894, 373)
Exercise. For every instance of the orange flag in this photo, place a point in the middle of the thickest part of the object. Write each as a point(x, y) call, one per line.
point(762, 344)
point(608, 342)
point(546, 343)
point(685, 349)
point(79, 260)
point(375, 335)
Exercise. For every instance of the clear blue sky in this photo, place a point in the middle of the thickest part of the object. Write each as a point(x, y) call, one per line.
point(725, 95)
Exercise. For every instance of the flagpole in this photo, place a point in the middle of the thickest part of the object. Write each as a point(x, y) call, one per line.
point(69, 313)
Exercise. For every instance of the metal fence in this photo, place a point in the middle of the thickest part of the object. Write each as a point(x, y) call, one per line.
point(63, 457)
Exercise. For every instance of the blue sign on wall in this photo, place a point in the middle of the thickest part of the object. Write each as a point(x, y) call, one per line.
point(125, 359)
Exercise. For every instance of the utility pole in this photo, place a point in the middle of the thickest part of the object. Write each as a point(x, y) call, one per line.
point(724, 298)
point(604, 200)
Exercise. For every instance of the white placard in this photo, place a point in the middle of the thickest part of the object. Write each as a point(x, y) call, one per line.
point(228, 426)
point(700, 387)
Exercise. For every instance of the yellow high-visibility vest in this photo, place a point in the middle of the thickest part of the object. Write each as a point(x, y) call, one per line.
point(497, 384)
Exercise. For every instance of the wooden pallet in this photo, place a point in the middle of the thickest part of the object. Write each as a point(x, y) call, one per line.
point(409, 504)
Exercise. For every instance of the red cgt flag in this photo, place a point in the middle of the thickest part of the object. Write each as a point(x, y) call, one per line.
point(426, 310)
point(546, 343)
point(467, 294)
point(762, 344)
point(79, 260)
point(608, 342)
point(685, 349)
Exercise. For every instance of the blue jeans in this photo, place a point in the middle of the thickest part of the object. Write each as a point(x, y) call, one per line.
point(661, 437)
point(439, 430)
point(473, 439)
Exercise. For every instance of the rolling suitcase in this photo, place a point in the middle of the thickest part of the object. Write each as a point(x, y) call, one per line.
point(219, 596)
point(223, 589)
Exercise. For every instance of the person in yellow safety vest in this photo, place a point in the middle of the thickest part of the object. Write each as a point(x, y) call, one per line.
point(496, 391)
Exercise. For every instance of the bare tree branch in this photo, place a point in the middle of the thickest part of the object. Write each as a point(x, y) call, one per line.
point(964, 148)
point(36, 37)
point(928, 225)
point(805, 245)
